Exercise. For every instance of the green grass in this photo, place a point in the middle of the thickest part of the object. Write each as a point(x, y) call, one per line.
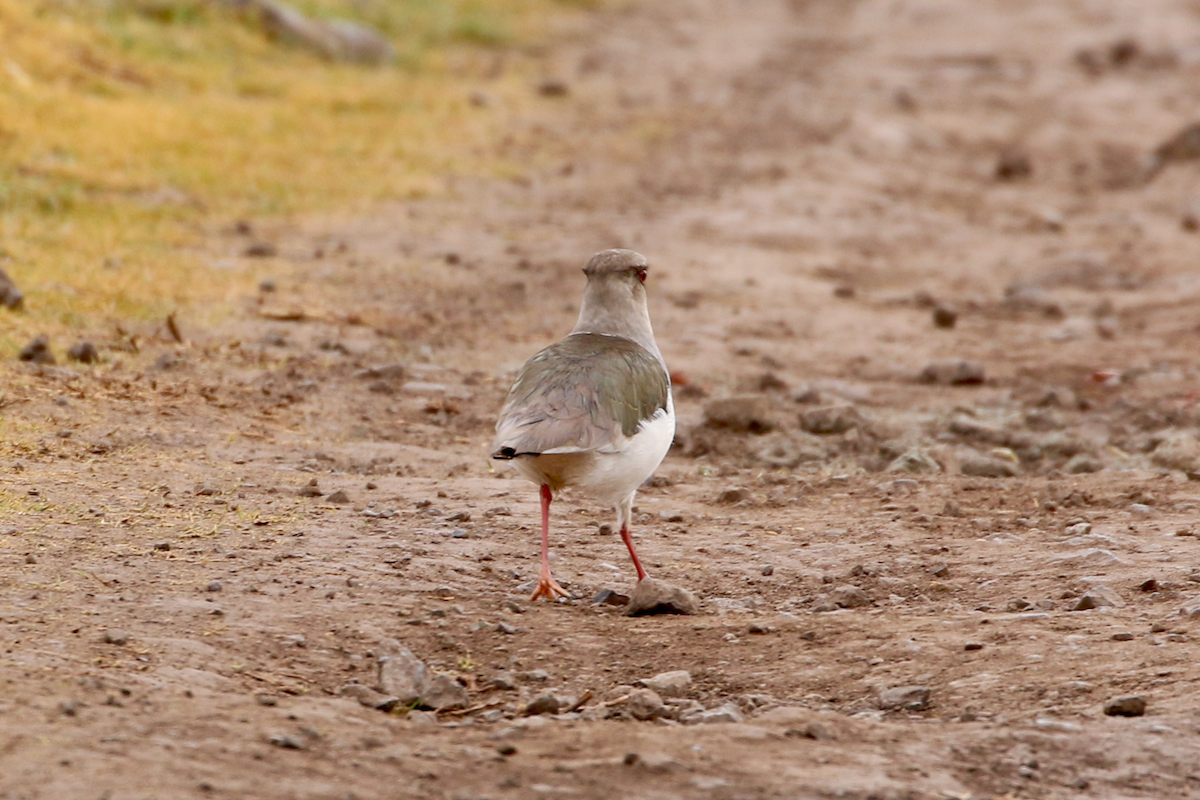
point(129, 128)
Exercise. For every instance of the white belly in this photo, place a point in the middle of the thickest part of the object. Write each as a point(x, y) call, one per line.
point(607, 477)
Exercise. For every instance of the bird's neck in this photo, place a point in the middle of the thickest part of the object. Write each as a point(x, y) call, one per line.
point(612, 311)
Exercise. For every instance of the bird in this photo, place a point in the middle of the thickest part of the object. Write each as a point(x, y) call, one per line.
point(594, 410)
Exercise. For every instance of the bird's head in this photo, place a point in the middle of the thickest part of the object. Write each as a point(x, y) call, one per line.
point(618, 268)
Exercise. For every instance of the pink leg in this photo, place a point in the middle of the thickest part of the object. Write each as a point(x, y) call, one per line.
point(547, 586)
point(632, 553)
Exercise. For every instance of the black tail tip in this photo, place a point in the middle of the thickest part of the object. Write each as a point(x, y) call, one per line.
point(505, 454)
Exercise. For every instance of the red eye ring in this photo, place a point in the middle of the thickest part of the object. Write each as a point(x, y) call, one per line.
point(641, 273)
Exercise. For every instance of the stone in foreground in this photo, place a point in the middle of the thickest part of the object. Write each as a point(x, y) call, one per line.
point(652, 596)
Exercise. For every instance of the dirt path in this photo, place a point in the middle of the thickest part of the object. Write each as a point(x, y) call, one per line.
point(890, 568)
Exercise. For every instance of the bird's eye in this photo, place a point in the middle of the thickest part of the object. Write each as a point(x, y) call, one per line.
point(641, 273)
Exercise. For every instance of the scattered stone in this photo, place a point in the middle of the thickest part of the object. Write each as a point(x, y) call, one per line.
point(10, 296)
point(504, 681)
point(553, 88)
point(335, 39)
point(645, 704)
point(37, 351)
point(945, 316)
point(729, 712)
point(1123, 636)
point(742, 414)
point(1183, 146)
point(1178, 450)
point(1128, 706)
point(338, 496)
point(1098, 597)
point(162, 546)
point(1013, 165)
point(951, 508)
point(732, 496)
point(1083, 464)
point(260, 250)
point(669, 684)
point(915, 462)
point(309, 489)
point(608, 597)
point(652, 596)
point(978, 465)
point(444, 692)
point(849, 596)
point(116, 636)
point(84, 352)
point(1149, 585)
point(768, 570)
point(401, 673)
point(952, 372)
point(548, 703)
point(214, 586)
point(287, 742)
point(790, 450)
point(970, 646)
point(830, 419)
point(904, 698)
point(506, 629)
point(1078, 529)
point(368, 696)
point(1140, 510)
point(459, 516)
point(672, 516)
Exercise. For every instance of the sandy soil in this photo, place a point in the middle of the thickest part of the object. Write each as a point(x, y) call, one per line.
point(810, 181)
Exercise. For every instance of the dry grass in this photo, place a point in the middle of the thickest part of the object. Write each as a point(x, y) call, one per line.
point(130, 127)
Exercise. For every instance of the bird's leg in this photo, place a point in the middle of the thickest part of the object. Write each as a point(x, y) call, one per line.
point(624, 512)
point(547, 586)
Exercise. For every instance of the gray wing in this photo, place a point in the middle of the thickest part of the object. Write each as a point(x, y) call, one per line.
point(587, 392)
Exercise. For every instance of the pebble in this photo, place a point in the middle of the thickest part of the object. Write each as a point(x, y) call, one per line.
point(916, 462)
point(849, 596)
point(548, 703)
point(401, 673)
point(444, 692)
point(505, 628)
point(830, 419)
point(906, 698)
point(978, 465)
point(741, 414)
point(1122, 636)
point(1128, 706)
point(1178, 450)
point(10, 296)
point(368, 696)
point(973, 646)
point(504, 681)
point(214, 586)
point(1078, 529)
point(645, 704)
point(945, 316)
point(669, 684)
point(38, 351)
point(84, 352)
point(952, 372)
point(1098, 597)
point(768, 570)
point(734, 495)
point(309, 489)
point(652, 596)
point(162, 546)
point(729, 712)
point(338, 496)
point(116, 636)
point(609, 597)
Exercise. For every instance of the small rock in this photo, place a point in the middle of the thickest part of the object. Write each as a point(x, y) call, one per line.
point(652, 596)
point(768, 570)
point(969, 646)
point(444, 692)
point(669, 684)
point(645, 704)
point(459, 516)
point(849, 596)
point(401, 673)
point(742, 414)
point(84, 352)
point(830, 419)
point(10, 296)
point(214, 586)
point(1140, 510)
point(1128, 706)
point(729, 712)
point(368, 696)
point(980, 466)
point(309, 489)
point(952, 372)
point(162, 546)
point(1178, 450)
point(37, 351)
point(1122, 636)
point(904, 698)
point(338, 496)
point(1083, 464)
point(945, 316)
point(734, 495)
point(915, 462)
point(548, 703)
point(267, 285)
point(1013, 165)
point(504, 681)
point(1098, 597)
point(609, 597)
point(506, 629)
point(287, 742)
point(951, 508)
point(553, 88)
point(115, 636)
point(260, 250)
point(1078, 529)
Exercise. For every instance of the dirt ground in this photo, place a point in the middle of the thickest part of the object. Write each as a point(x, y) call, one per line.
point(895, 573)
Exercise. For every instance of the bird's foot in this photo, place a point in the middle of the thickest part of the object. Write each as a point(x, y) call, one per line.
point(548, 587)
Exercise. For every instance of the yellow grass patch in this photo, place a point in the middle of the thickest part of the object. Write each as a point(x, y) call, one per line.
point(130, 127)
